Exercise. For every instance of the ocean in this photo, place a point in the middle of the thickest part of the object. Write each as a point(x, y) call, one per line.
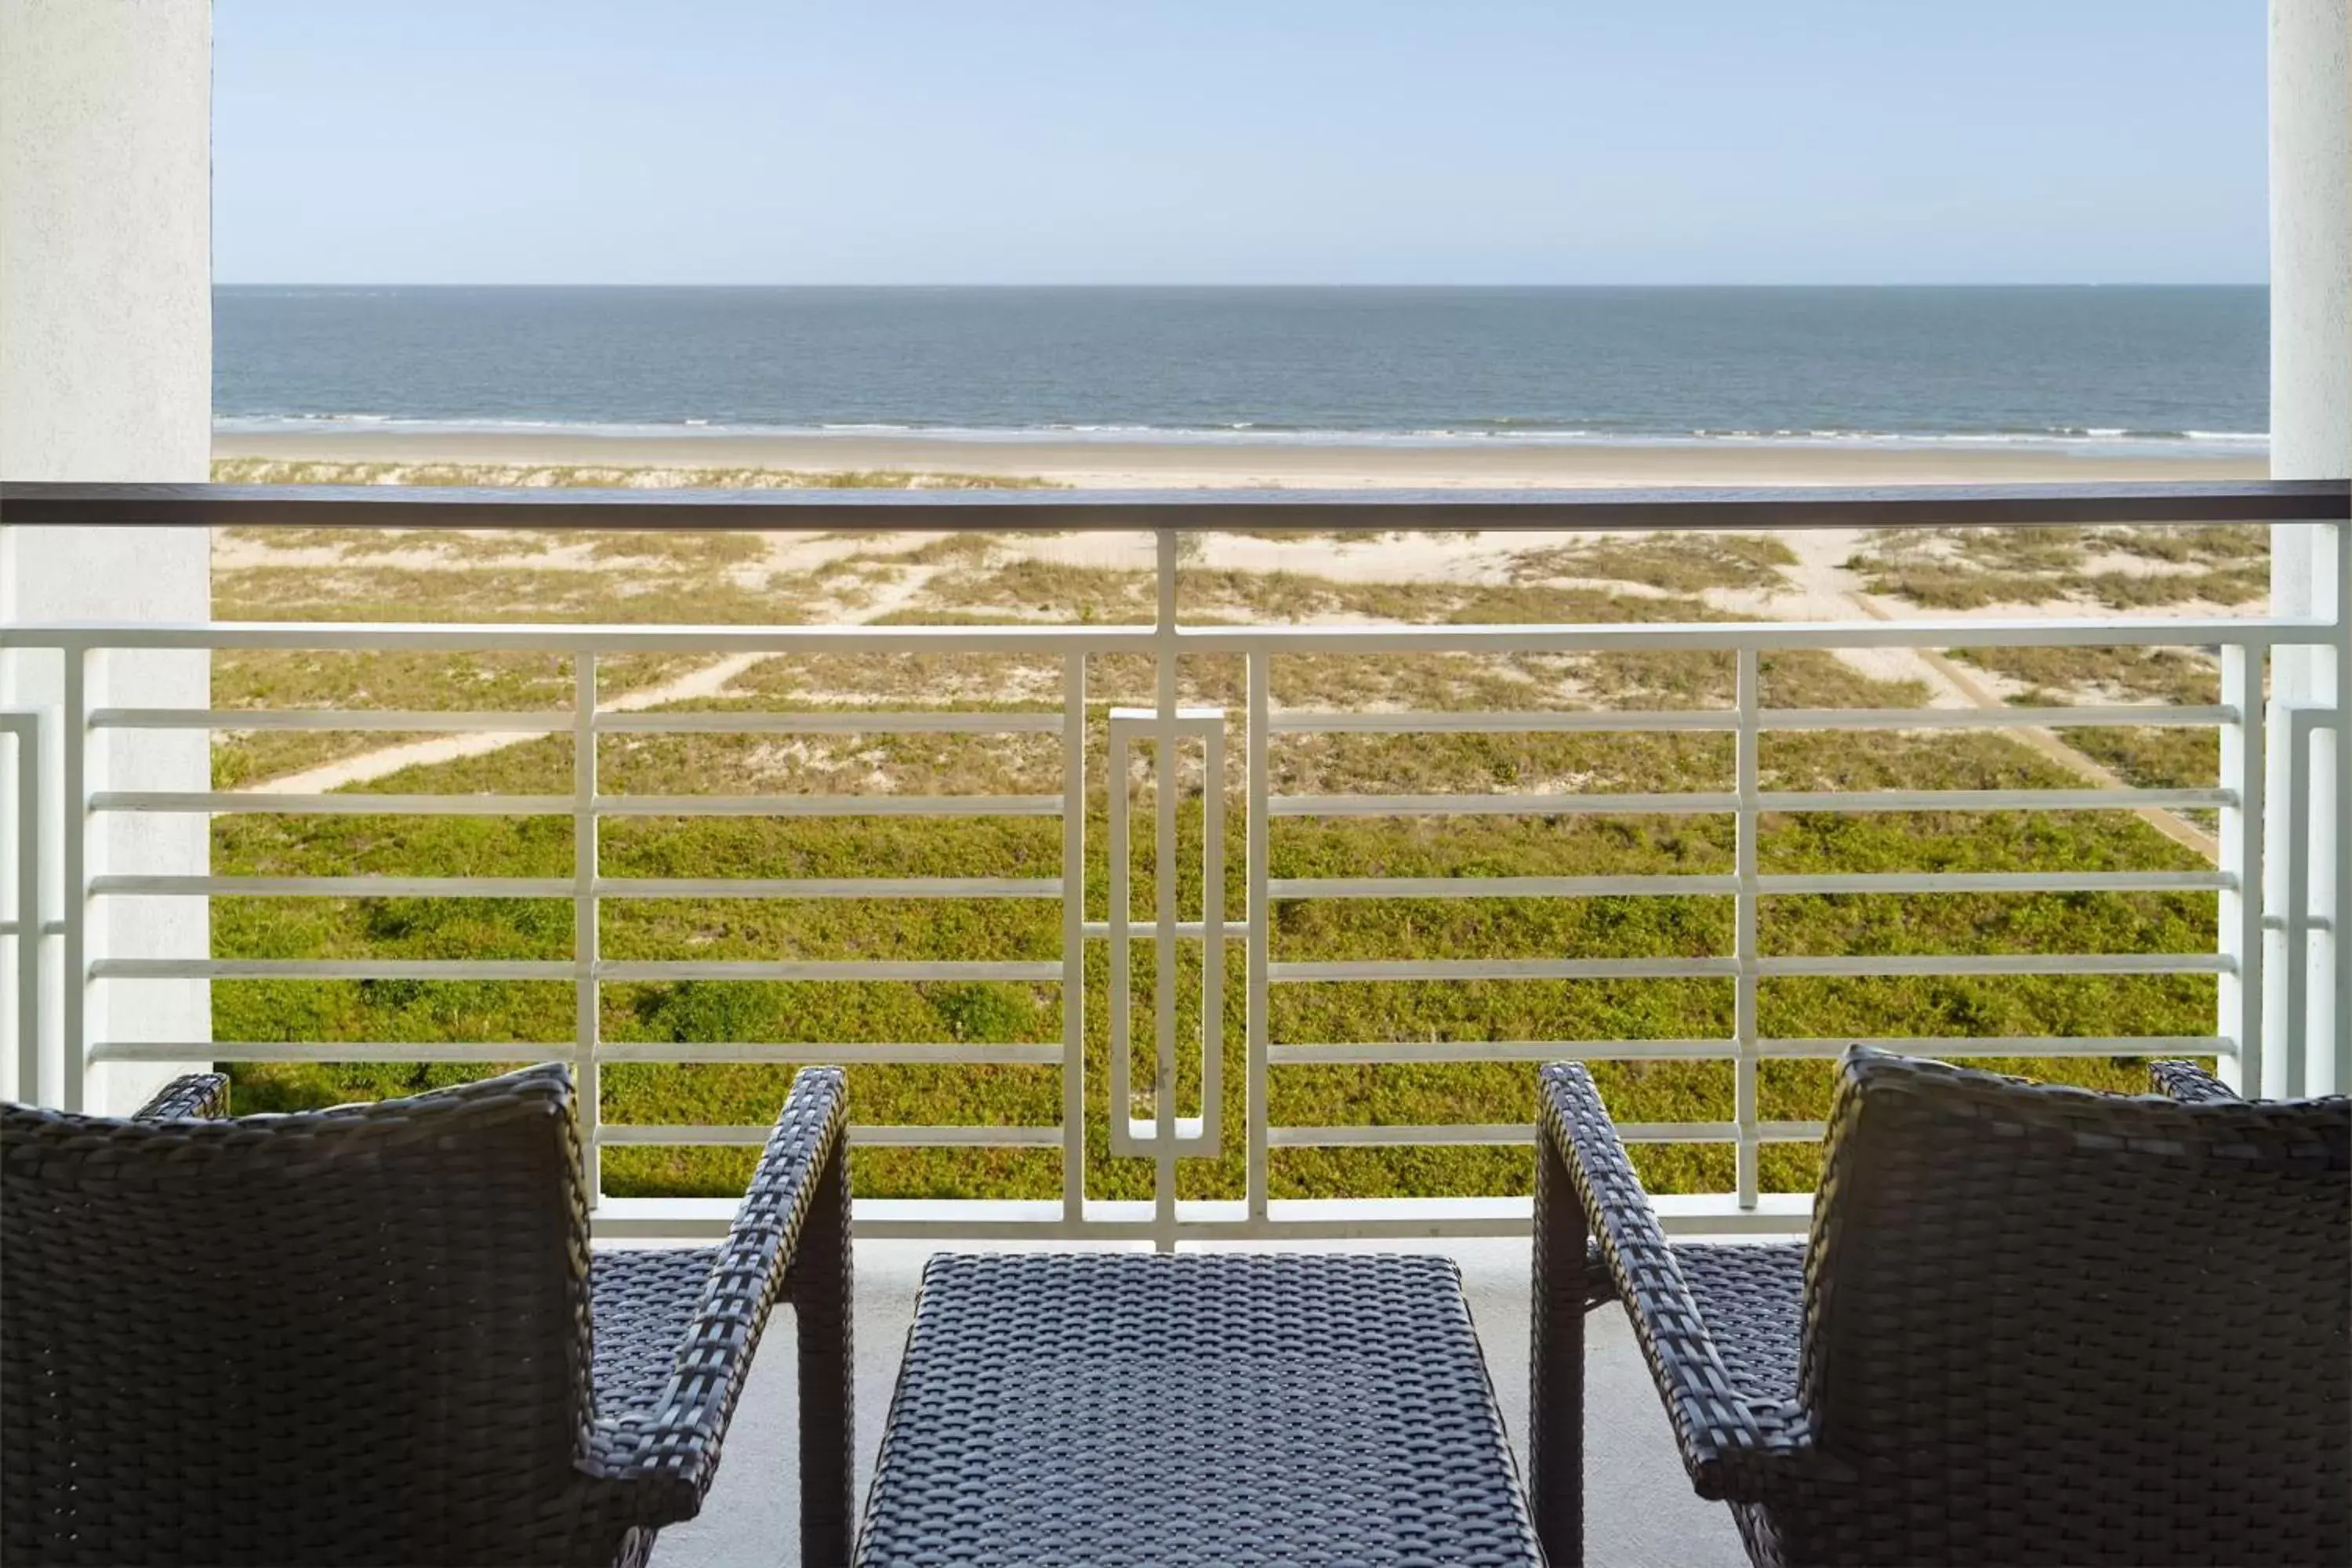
point(2129, 368)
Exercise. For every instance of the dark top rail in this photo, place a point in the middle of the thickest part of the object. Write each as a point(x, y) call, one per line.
point(800, 511)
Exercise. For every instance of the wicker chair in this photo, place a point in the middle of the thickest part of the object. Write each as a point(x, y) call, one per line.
point(377, 1334)
point(2032, 1325)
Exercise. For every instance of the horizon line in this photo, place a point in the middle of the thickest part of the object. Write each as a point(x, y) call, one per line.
point(2122, 283)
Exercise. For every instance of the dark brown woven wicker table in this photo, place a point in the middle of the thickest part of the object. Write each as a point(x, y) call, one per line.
point(1215, 1408)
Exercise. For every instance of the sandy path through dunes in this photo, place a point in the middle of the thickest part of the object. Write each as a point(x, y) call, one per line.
point(368, 767)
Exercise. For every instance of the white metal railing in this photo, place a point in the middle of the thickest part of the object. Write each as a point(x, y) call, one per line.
point(2283, 1026)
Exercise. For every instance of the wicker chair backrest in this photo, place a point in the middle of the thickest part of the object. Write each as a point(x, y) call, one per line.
point(343, 1336)
point(2043, 1320)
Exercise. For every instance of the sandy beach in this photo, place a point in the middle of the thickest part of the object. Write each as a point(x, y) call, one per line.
point(1113, 465)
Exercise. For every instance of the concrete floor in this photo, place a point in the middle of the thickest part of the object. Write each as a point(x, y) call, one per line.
point(1640, 1510)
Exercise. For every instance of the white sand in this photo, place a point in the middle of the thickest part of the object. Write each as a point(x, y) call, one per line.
point(1113, 465)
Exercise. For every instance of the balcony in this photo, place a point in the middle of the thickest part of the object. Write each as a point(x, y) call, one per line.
point(1174, 928)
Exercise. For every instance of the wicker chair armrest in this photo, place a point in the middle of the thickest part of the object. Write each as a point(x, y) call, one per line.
point(675, 1443)
point(2189, 1083)
point(1732, 1445)
point(196, 1096)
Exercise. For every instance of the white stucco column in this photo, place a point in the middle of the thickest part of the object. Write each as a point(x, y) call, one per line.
point(106, 374)
point(2311, 439)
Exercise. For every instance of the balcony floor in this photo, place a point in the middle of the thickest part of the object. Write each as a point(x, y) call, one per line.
point(1642, 1512)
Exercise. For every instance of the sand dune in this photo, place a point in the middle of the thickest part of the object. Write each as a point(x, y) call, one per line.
point(1112, 465)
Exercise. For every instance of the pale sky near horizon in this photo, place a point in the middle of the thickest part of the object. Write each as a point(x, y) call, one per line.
point(1526, 142)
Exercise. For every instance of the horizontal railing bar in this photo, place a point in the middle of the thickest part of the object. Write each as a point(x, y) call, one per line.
point(1997, 882)
point(781, 887)
point(1706, 508)
point(1501, 969)
point(830, 1054)
point(1378, 969)
point(843, 969)
point(353, 719)
point(1352, 1055)
point(222, 802)
point(159, 887)
point(647, 1134)
point(453, 636)
point(1191, 718)
point(329, 1052)
point(610, 1050)
point(329, 969)
point(1026, 638)
point(828, 806)
point(827, 888)
point(1711, 802)
point(1991, 799)
point(2007, 1046)
point(1771, 635)
point(562, 969)
point(1788, 1131)
point(1704, 883)
point(876, 722)
point(1381, 1137)
point(973, 1220)
point(1726, 720)
point(1369, 1053)
point(2000, 963)
point(1149, 930)
point(950, 1137)
point(1675, 803)
point(1496, 887)
point(1145, 1129)
point(341, 805)
point(1343, 1137)
point(1989, 718)
point(1703, 718)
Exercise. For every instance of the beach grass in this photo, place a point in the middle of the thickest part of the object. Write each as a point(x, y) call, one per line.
point(1335, 1014)
point(980, 579)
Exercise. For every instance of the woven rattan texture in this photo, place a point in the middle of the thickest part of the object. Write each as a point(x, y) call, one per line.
point(1751, 1298)
point(2037, 1325)
point(643, 1302)
point(1216, 1409)
point(362, 1335)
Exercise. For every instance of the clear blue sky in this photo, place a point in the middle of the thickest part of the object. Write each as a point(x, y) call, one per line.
point(1239, 141)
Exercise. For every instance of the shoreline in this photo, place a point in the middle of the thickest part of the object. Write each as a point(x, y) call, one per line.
point(1126, 464)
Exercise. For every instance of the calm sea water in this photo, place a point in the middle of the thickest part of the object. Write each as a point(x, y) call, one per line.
point(2175, 366)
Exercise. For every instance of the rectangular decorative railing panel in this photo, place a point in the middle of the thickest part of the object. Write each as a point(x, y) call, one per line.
point(2280, 1025)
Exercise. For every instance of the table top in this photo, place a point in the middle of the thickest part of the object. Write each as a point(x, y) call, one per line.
point(1111, 1408)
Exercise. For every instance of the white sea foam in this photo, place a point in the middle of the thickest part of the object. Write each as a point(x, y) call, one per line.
point(1246, 432)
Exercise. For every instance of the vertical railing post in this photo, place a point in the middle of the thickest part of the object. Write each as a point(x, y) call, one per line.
point(2328, 958)
point(1258, 910)
point(1212, 935)
point(1744, 936)
point(2331, 835)
point(1163, 887)
point(83, 667)
point(23, 865)
point(587, 1023)
point(2291, 950)
point(2242, 939)
point(1073, 939)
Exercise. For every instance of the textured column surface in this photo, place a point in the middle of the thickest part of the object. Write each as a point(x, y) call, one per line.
point(106, 375)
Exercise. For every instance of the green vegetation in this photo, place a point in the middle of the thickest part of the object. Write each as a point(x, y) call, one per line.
point(2156, 757)
point(976, 579)
point(708, 1011)
point(1676, 562)
point(2124, 568)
